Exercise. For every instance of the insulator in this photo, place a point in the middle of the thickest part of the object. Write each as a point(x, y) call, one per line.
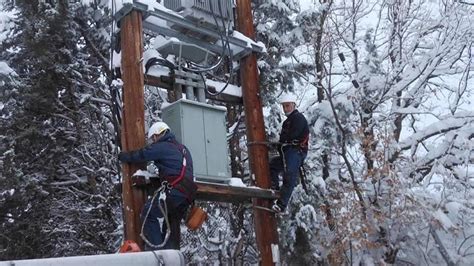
point(341, 56)
point(355, 83)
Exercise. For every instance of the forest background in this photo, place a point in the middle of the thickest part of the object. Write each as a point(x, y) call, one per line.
point(387, 88)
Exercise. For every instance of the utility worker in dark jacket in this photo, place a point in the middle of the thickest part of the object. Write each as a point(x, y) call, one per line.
point(294, 138)
point(175, 166)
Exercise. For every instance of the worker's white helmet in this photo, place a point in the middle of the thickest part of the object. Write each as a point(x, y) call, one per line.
point(288, 98)
point(157, 128)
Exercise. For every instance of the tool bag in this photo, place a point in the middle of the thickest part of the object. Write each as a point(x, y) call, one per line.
point(196, 218)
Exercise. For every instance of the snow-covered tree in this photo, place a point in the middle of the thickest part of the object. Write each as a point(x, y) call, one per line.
point(277, 28)
point(58, 151)
point(385, 85)
point(396, 116)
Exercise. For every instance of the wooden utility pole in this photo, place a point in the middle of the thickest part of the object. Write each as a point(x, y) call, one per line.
point(133, 124)
point(265, 221)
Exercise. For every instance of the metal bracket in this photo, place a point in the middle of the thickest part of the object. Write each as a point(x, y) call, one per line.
point(127, 8)
point(153, 29)
point(194, 84)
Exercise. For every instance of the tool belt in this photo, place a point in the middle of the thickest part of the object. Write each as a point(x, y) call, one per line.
point(300, 144)
point(184, 184)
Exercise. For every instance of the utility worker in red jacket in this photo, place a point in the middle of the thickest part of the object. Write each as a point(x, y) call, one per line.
point(175, 166)
point(293, 150)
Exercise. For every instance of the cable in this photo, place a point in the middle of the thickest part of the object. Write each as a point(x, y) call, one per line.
point(112, 38)
point(229, 50)
point(115, 94)
point(159, 61)
point(343, 59)
point(199, 69)
point(162, 62)
point(204, 82)
point(202, 68)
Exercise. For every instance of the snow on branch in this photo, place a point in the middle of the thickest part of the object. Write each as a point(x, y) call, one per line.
point(5, 70)
point(442, 249)
point(466, 3)
point(440, 127)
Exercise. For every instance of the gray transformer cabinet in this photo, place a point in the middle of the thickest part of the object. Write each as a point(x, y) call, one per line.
point(201, 127)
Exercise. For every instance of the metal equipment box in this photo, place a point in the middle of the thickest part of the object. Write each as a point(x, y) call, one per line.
point(201, 127)
point(205, 12)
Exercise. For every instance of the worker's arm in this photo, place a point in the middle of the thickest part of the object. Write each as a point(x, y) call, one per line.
point(149, 153)
point(132, 157)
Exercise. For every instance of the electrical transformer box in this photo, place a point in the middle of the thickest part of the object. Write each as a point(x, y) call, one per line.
point(201, 127)
point(206, 12)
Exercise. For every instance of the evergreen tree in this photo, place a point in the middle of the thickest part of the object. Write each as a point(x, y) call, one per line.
point(60, 158)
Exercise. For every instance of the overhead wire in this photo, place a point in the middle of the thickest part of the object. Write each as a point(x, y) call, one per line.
point(342, 58)
point(227, 45)
point(162, 62)
point(115, 94)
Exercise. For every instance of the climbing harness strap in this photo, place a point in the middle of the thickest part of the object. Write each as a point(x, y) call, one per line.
point(181, 173)
point(188, 188)
point(183, 184)
point(304, 142)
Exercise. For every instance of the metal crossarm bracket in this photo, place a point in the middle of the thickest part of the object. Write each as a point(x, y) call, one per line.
point(154, 29)
point(127, 8)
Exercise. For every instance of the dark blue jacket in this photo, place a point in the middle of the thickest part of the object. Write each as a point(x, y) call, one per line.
point(295, 129)
point(167, 155)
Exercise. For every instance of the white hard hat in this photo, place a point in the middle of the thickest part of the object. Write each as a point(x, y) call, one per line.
point(157, 128)
point(288, 98)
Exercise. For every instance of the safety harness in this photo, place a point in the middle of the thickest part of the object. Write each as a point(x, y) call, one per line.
point(182, 183)
point(303, 144)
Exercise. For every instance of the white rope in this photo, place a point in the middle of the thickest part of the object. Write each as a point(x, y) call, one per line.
point(164, 210)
